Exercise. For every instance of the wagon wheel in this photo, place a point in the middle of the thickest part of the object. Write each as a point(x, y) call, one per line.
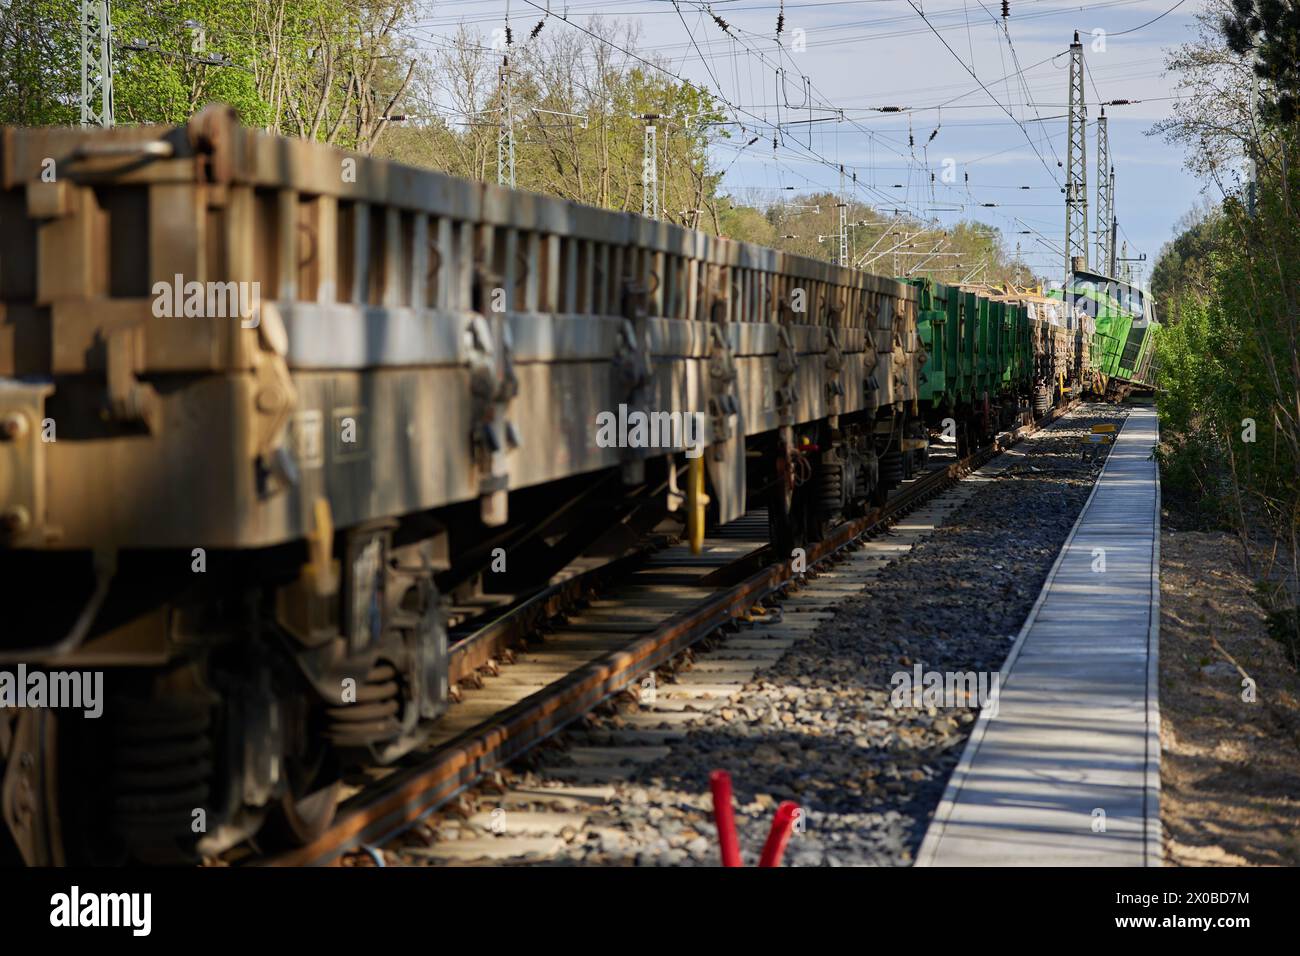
point(310, 800)
point(306, 818)
point(788, 510)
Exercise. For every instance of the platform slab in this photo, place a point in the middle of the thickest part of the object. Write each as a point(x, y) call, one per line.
point(1065, 770)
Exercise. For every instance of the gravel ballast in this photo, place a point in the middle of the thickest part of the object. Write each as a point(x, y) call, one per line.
point(818, 727)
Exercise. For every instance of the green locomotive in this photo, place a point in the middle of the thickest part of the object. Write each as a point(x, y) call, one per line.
point(1126, 328)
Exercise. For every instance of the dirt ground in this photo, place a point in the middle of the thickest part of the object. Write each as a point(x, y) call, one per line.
point(1230, 768)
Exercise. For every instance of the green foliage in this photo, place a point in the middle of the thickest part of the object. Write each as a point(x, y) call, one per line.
point(1228, 376)
point(1183, 266)
point(40, 62)
point(325, 69)
point(1197, 401)
point(579, 121)
point(166, 84)
point(748, 225)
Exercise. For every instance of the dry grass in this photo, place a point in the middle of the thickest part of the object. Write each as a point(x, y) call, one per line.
point(1230, 769)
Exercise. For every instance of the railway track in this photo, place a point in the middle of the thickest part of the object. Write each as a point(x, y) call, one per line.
point(592, 637)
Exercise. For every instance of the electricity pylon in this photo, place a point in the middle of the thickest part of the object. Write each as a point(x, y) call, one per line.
point(1076, 166)
point(1105, 198)
point(96, 64)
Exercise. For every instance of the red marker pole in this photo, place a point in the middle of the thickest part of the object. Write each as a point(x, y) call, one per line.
point(724, 818)
point(779, 835)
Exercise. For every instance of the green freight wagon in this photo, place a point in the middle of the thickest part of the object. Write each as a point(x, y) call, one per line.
point(979, 365)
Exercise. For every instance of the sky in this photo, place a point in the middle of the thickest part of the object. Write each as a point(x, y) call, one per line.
point(993, 93)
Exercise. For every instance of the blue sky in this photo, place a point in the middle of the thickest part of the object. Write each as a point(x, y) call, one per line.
point(857, 55)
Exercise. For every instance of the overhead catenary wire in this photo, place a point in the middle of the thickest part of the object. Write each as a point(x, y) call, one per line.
point(728, 104)
point(919, 12)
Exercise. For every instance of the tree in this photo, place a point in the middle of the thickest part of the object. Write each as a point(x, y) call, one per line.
point(332, 70)
point(40, 62)
point(1183, 268)
point(577, 105)
point(1269, 30)
point(1232, 280)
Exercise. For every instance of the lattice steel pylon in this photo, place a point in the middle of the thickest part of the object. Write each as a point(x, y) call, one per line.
point(506, 133)
point(843, 258)
point(1109, 261)
point(1105, 197)
point(96, 64)
point(1076, 165)
point(650, 172)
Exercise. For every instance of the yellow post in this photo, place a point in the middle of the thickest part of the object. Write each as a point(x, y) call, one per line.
point(695, 503)
point(321, 570)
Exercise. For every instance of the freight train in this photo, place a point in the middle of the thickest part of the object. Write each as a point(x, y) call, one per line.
point(272, 414)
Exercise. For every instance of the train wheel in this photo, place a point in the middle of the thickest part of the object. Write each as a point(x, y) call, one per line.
point(879, 494)
point(313, 786)
point(920, 459)
point(300, 819)
point(784, 532)
point(30, 828)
